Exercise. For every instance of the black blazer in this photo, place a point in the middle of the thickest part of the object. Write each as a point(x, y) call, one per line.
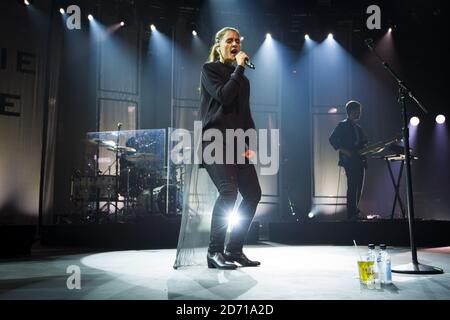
point(344, 136)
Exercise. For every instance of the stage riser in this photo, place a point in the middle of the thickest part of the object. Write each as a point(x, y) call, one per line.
point(149, 235)
point(16, 240)
point(114, 236)
point(393, 233)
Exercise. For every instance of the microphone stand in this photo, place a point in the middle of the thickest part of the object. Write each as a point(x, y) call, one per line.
point(415, 267)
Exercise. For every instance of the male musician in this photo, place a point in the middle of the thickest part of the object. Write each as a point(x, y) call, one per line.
point(348, 138)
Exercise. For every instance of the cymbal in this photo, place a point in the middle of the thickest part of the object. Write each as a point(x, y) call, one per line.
point(121, 149)
point(143, 157)
point(103, 143)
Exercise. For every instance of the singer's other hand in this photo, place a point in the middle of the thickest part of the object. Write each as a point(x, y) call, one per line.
point(241, 57)
point(249, 154)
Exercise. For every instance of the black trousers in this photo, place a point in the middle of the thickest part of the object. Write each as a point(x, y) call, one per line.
point(355, 182)
point(229, 179)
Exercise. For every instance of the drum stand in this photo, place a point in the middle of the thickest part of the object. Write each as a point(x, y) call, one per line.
point(119, 126)
point(110, 193)
point(127, 199)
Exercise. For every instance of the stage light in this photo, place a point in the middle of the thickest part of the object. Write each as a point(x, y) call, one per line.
point(90, 17)
point(440, 119)
point(268, 36)
point(310, 215)
point(307, 37)
point(233, 218)
point(330, 36)
point(26, 2)
point(333, 110)
point(194, 33)
point(62, 11)
point(242, 38)
point(390, 30)
point(152, 27)
point(414, 121)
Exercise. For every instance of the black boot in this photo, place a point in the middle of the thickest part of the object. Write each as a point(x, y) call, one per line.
point(217, 260)
point(240, 258)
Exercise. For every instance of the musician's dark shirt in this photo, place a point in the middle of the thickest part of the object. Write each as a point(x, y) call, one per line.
point(348, 135)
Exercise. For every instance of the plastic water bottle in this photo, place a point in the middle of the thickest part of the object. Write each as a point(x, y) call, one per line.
point(380, 262)
point(373, 256)
point(384, 265)
point(371, 253)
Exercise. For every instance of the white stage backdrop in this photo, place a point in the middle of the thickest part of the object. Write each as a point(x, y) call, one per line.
point(22, 70)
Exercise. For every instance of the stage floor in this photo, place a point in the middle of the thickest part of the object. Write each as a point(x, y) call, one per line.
point(286, 273)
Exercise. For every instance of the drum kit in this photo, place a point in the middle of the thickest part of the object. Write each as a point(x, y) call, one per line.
point(140, 185)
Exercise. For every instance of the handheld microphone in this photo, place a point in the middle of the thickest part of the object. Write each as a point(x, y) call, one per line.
point(249, 64)
point(369, 43)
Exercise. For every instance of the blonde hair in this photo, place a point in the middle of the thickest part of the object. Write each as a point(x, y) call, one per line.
point(214, 54)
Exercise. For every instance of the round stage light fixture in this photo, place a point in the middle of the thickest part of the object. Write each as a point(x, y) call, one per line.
point(440, 119)
point(415, 121)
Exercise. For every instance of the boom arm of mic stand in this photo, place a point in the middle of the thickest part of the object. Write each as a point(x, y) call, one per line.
point(401, 84)
point(410, 94)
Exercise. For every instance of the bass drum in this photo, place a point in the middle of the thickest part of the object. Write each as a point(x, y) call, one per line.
point(160, 198)
point(133, 181)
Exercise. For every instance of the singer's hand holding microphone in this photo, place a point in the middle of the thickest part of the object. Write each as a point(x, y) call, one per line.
point(242, 59)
